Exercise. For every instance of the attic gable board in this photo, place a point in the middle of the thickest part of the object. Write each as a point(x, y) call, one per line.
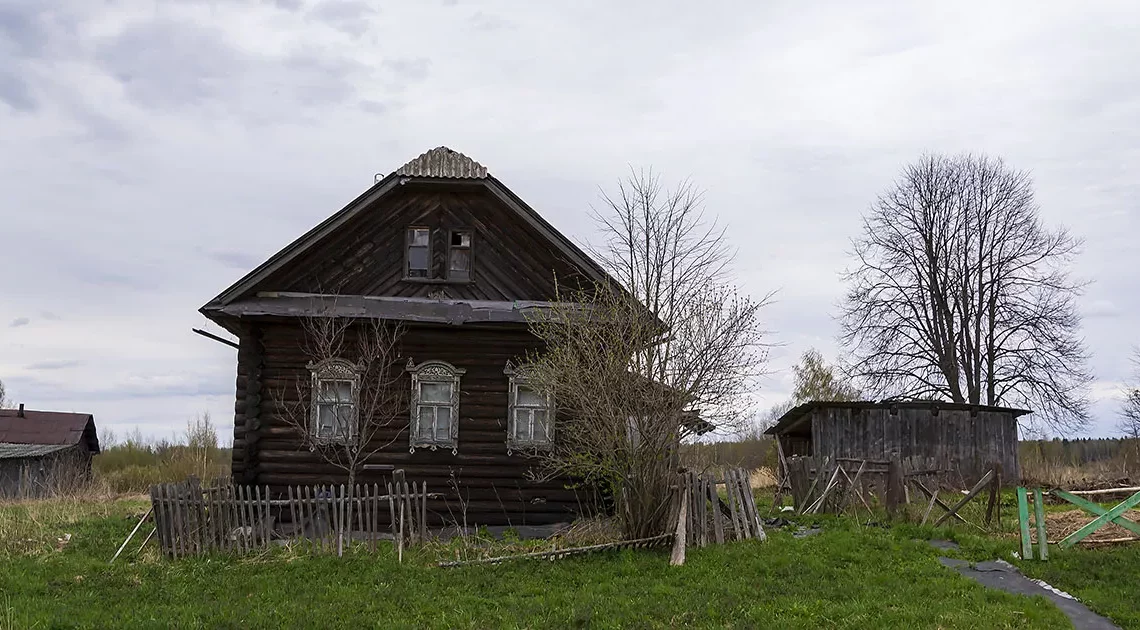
point(512, 260)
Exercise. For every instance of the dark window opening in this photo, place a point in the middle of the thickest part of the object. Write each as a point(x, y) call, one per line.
point(419, 252)
point(459, 256)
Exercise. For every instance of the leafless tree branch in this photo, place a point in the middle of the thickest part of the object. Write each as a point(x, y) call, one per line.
point(960, 293)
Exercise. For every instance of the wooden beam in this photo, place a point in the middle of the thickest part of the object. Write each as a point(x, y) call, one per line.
point(215, 337)
point(1099, 521)
point(937, 501)
point(1096, 510)
point(978, 487)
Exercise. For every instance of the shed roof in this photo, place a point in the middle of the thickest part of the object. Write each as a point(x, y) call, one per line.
point(793, 416)
point(18, 451)
point(48, 428)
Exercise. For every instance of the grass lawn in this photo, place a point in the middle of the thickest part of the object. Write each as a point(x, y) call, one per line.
point(847, 577)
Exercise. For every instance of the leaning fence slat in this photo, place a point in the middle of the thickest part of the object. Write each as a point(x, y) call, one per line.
point(247, 512)
point(1023, 524)
point(735, 506)
point(175, 492)
point(238, 540)
point(718, 518)
point(392, 512)
point(423, 511)
point(269, 520)
point(306, 517)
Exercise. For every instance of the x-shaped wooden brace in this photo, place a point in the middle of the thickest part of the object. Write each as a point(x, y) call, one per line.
point(1104, 516)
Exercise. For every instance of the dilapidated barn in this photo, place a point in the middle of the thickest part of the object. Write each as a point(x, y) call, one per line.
point(44, 452)
point(958, 439)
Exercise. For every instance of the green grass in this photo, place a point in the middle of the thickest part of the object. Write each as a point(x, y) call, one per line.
point(846, 577)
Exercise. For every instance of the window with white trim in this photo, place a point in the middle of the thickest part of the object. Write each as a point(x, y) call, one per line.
point(332, 417)
point(530, 420)
point(435, 405)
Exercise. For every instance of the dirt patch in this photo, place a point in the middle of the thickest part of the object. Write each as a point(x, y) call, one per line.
point(1061, 524)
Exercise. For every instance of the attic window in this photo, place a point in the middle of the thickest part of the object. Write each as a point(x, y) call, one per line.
point(419, 253)
point(459, 255)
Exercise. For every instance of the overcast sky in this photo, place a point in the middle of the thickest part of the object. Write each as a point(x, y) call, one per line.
point(151, 153)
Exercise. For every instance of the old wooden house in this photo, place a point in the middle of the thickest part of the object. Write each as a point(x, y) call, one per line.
point(44, 452)
point(959, 440)
point(445, 248)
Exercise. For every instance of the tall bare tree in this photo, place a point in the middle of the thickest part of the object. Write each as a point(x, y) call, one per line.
point(1129, 423)
point(3, 396)
point(633, 363)
point(352, 405)
point(960, 293)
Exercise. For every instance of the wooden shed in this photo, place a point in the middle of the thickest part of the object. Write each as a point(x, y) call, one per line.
point(44, 452)
point(960, 439)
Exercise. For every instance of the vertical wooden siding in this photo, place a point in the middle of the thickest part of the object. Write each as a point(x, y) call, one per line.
point(511, 260)
point(952, 439)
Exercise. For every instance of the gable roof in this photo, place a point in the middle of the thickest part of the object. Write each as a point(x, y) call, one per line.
point(438, 164)
point(793, 416)
point(48, 428)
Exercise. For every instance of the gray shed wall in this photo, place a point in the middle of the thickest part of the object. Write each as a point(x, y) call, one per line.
point(33, 477)
point(951, 440)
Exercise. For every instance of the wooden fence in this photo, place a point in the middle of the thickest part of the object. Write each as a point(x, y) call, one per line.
point(190, 519)
point(710, 518)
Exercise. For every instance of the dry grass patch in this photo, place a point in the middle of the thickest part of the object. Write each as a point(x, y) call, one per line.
point(41, 526)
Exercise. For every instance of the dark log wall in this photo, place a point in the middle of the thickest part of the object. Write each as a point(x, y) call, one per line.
point(493, 487)
point(511, 260)
point(954, 440)
point(245, 462)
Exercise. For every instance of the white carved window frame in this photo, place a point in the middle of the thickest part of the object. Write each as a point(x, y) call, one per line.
point(520, 376)
point(334, 371)
point(434, 372)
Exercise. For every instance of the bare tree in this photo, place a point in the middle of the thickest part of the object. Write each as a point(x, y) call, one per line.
point(351, 406)
point(1129, 423)
point(960, 293)
point(3, 396)
point(632, 364)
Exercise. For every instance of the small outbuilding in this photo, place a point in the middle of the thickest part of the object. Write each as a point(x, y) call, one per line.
point(958, 439)
point(44, 452)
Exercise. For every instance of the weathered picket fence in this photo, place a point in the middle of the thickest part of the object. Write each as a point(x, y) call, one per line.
point(191, 519)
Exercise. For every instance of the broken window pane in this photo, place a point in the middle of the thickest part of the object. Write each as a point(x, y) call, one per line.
point(461, 239)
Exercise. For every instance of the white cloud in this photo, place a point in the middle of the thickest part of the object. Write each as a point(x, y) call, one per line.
point(154, 151)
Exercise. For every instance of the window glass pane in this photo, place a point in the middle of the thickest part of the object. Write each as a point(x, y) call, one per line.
point(425, 423)
point(435, 393)
point(461, 239)
point(417, 261)
point(460, 261)
point(529, 397)
point(419, 237)
point(326, 420)
point(442, 423)
point(334, 391)
point(522, 424)
point(344, 420)
point(541, 426)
